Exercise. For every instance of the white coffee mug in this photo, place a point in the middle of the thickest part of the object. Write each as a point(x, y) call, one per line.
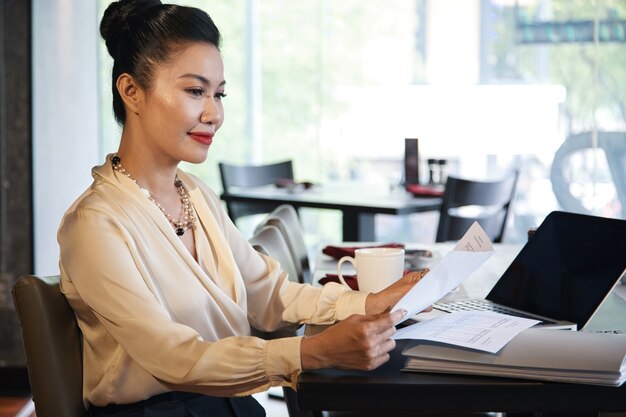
point(376, 268)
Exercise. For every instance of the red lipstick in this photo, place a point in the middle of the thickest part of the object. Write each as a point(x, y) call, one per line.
point(205, 138)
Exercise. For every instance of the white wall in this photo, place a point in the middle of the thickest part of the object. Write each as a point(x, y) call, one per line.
point(65, 115)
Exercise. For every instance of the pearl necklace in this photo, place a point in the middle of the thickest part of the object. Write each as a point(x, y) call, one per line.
point(187, 219)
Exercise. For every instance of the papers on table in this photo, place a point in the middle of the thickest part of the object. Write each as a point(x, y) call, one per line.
point(553, 355)
point(472, 250)
point(482, 330)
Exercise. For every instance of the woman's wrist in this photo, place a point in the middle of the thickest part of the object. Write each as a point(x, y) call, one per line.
point(374, 304)
point(311, 356)
point(378, 302)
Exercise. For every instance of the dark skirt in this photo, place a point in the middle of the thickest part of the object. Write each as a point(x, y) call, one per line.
point(184, 404)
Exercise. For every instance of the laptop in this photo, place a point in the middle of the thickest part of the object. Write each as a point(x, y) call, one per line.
point(562, 274)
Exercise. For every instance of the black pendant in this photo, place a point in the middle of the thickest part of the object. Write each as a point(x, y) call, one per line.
point(180, 231)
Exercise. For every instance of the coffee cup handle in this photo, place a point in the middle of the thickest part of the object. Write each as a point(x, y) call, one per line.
point(341, 261)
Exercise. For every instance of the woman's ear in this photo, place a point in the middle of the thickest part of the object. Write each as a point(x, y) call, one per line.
point(130, 91)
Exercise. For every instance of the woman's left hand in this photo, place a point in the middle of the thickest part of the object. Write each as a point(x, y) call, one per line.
point(378, 302)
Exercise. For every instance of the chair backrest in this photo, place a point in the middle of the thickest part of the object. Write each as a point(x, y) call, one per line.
point(614, 146)
point(466, 201)
point(285, 218)
point(270, 241)
point(53, 344)
point(249, 176)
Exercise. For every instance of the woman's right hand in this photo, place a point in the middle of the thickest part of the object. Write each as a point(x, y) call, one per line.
point(359, 342)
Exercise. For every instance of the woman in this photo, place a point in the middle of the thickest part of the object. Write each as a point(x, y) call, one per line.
point(164, 286)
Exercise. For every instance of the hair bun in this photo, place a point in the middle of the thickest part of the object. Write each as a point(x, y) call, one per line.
point(117, 17)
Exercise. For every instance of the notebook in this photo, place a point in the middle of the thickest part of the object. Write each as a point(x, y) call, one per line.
point(562, 274)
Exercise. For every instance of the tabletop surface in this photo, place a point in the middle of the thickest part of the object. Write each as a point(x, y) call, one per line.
point(476, 286)
point(351, 195)
point(390, 388)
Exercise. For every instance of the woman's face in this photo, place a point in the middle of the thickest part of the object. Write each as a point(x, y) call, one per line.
point(182, 110)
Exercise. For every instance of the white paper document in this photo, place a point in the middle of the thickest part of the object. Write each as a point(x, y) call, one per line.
point(471, 251)
point(481, 330)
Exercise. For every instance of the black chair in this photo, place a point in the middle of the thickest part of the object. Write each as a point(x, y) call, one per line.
point(466, 201)
point(53, 344)
point(250, 176)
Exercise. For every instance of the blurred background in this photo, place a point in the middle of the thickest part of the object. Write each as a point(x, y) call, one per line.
point(486, 84)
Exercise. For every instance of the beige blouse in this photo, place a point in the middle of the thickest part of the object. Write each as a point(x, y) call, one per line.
point(154, 319)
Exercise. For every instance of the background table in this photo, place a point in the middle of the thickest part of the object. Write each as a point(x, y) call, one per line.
point(358, 203)
point(390, 389)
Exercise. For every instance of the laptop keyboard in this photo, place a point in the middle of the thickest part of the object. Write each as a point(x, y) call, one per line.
point(483, 305)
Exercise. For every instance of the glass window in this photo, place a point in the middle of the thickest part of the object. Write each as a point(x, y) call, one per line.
point(488, 85)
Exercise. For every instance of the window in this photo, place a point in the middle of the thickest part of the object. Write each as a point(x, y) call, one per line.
point(337, 86)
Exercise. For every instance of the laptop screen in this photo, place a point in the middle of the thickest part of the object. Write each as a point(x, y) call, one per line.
point(566, 269)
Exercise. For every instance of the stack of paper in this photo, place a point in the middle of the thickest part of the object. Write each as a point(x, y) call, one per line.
point(552, 355)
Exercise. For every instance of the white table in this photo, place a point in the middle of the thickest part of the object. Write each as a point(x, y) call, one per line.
point(476, 285)
point(479, 283)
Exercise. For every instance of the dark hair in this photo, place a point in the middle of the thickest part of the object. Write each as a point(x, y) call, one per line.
point(141, 33)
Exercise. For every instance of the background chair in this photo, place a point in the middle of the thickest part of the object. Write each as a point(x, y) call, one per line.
point(285, 219)
point(614, 146)
point(249, 176)
point(270, 241)
point(53, 344)
point(466, 201)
